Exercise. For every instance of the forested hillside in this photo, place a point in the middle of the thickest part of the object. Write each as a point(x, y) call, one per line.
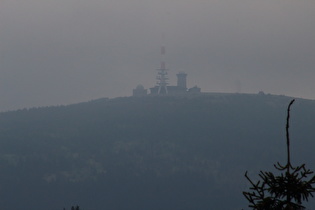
point(155, 153)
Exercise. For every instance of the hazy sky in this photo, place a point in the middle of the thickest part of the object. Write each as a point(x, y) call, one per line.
point(66, 51)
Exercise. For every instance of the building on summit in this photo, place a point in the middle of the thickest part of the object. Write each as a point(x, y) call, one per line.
point(180, 88)
point(162, 86)
point(140, 91)
point(182, 79)
point(162, 89)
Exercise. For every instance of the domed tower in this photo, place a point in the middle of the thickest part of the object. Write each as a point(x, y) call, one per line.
point(139, 91)
point(181, 80)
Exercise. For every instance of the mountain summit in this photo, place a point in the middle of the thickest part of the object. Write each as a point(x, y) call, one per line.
point(152, 152)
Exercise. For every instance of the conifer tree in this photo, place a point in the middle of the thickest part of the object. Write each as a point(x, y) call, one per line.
point(285, 191)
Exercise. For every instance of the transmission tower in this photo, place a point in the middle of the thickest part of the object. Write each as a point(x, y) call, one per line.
point(162, 77)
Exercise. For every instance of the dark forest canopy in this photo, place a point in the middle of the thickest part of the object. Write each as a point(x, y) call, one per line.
point(171, 152)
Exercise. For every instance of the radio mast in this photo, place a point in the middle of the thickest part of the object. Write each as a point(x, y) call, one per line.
point(162, 77)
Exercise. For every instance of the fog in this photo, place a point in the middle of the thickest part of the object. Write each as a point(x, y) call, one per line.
point(56, 52)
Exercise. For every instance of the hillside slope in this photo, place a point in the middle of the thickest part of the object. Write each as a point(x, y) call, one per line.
point(154, 153)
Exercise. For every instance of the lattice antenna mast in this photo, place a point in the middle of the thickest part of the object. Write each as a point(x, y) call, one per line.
point(162, 78)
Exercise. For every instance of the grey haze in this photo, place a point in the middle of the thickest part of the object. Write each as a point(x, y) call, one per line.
point(66, 51)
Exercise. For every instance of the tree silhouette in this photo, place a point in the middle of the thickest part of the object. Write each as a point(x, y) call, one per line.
point(285, 191)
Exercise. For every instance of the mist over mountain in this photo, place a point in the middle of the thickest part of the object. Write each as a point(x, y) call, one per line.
point(56, 52)
point(153, 152)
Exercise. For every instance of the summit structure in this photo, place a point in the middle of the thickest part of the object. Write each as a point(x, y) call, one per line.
point(181, 79)
point(162, 77)
point(162, 86)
